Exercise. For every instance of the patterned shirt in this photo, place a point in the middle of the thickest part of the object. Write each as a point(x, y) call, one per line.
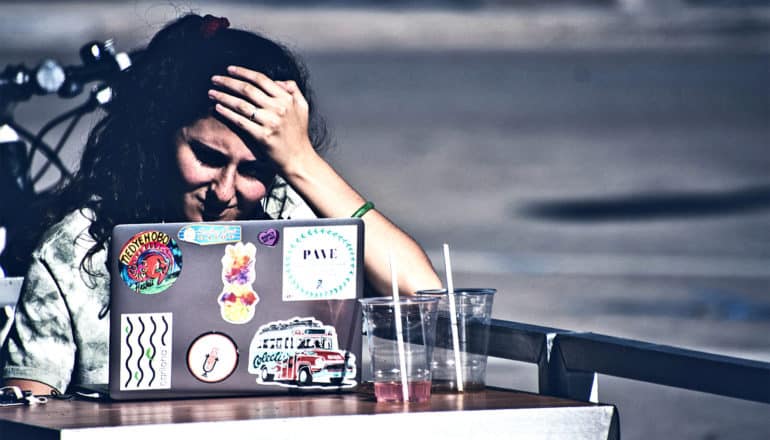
point(60, 334)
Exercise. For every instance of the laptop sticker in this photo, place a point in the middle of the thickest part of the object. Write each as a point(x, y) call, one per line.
point(300, 352)
point(212, 357)
point(238, 299)
point(150, 262)
point(319, 263)
point(145, 351)
point(210, 234)
point(268, 237)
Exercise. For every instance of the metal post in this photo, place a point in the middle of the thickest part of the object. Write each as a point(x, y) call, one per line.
point(558, 380)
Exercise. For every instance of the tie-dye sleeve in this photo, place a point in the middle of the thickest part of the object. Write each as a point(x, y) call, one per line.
point(40, 345)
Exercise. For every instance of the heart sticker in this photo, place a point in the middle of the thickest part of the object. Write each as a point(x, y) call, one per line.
point(268, 237)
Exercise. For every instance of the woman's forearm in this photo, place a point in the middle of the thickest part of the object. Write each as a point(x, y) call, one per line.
point(331, 196)
point(37, 388)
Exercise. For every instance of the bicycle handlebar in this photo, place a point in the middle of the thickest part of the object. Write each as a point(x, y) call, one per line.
point(100, 63)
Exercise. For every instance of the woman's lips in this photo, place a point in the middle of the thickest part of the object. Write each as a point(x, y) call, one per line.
point(212, 214)
point(208, 216)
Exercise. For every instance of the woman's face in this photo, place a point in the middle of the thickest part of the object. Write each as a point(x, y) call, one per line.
point(222, 178)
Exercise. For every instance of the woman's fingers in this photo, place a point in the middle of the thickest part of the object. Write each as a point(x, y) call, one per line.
point(246, 90)
point(292, 88)
point(275, 113)
point(261, 131)
point(258, 78)
point(236, 104)
point(261, 90)
point(255, 114)
point(289, 86)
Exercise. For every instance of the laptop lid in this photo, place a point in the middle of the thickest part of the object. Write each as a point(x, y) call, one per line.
point(235, 308)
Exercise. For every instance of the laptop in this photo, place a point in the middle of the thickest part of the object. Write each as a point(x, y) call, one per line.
point(235, 308)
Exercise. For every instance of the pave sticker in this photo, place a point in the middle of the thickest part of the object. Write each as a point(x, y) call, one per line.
point(145, 351)
point(212, 357)
point(300, 352)
point(238, 299)
point(210, 234)
point(319, 263)
point(269, 237)
point(150, 262)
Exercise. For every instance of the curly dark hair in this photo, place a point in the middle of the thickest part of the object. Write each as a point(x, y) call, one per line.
point(128, 172)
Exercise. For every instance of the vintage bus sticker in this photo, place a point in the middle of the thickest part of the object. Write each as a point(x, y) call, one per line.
point(145, 351)
point(237, 300)
point(319, 263)
point(269, 237)
point(150, 262)
point(203, 234)
point(212, 357)
point(300, 352)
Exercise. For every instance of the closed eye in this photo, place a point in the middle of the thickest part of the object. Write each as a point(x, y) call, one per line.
point(256, 169)
point(207, 155)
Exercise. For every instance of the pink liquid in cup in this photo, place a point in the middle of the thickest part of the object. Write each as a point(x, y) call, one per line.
point(419, 391)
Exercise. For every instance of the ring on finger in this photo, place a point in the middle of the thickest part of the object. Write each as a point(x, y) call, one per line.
point(253, 116)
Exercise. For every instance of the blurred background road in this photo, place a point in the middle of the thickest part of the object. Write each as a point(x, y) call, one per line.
point(603, 164)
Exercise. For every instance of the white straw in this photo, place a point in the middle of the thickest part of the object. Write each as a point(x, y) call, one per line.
point(453, 318)
point(399, 328)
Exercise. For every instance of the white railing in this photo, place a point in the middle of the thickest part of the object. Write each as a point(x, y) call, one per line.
point(9, 293)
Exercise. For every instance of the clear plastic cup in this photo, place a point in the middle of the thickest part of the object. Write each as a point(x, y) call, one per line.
point(474, 313)
point(389, 364)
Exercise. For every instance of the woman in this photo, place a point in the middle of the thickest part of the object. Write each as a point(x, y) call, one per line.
point(210, 124)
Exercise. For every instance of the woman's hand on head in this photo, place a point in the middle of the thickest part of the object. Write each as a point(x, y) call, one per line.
point(274, 113)
point(280, 123)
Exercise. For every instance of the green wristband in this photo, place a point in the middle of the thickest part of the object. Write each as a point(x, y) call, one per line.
point(366, 207)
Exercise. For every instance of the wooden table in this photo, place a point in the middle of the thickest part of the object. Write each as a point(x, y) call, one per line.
point(492, 414)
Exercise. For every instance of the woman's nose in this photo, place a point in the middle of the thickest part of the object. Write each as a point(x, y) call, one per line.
point(223, 186)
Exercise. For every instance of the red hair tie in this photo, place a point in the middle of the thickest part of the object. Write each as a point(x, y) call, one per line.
point(211, 25)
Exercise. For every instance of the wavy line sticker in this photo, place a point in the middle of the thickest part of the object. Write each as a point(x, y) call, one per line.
point(145, 351)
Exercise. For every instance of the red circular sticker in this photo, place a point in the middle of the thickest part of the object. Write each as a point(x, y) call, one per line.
point(150, 262)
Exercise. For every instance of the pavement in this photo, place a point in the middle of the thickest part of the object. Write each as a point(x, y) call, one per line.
point(27, 26)
point(604, 168)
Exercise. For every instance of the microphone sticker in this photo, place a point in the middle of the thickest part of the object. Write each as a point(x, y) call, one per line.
point(212, 357)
